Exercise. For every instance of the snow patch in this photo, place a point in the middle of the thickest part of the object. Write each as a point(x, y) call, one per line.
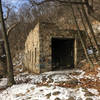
point(3, 82)
point(32, 91)
point(94, 91)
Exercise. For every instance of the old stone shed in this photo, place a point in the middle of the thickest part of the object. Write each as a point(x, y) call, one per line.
point(47, 47)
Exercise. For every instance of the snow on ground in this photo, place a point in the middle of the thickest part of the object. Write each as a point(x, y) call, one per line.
point(94, 91)
point(3, 82)
point(33, 92)
point(46, 87)
point(18, 59)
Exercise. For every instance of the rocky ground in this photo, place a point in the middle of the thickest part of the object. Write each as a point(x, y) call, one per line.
point(75, 84)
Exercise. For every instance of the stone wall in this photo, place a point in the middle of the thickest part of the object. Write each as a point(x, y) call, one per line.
point(47, 32)
point(32, 51)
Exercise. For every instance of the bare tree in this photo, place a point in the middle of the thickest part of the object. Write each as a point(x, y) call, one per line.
point(94, 9)
point(7, 49)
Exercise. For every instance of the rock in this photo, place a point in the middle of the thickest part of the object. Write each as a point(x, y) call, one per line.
point(75, 73)
point(28, 91)
point(57, 99)
point(89, 99)
point(89, 94)
point(41, 90)
point(44, 79)
point(71, 98)
point(73, 81)
point(48, 95)
point(20, 94)
point(28, 98)
point(32, 88)
point(56, 93)
point(50, 81)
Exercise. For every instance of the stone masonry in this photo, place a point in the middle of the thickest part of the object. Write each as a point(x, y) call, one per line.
point(38, 46)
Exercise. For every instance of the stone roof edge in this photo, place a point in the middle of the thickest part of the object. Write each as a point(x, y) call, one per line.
point(54, 24)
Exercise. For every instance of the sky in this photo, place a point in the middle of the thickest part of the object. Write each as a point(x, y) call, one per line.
point(16, 3)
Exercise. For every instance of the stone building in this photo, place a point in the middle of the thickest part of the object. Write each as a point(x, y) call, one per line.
point(47, 47)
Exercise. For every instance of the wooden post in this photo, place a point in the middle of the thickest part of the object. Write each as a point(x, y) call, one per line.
point(75, 52)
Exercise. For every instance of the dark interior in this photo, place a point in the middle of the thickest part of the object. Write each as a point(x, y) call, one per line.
point(62, 53)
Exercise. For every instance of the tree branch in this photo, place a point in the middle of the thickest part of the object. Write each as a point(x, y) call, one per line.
point(11, 28)
point(8, 12)
point(95, 16)
point(60, 1)
point(91, 11)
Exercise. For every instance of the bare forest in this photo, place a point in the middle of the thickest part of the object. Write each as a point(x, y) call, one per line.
point(49, 49)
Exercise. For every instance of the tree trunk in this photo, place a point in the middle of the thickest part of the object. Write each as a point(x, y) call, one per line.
point(82, 19)
point(82, 42)
point(7, 49)
point(91, 29)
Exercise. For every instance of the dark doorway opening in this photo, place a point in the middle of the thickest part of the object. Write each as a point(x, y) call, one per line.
point(62, 53)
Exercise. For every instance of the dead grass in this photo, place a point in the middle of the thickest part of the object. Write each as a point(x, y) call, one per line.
point(89, 83)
